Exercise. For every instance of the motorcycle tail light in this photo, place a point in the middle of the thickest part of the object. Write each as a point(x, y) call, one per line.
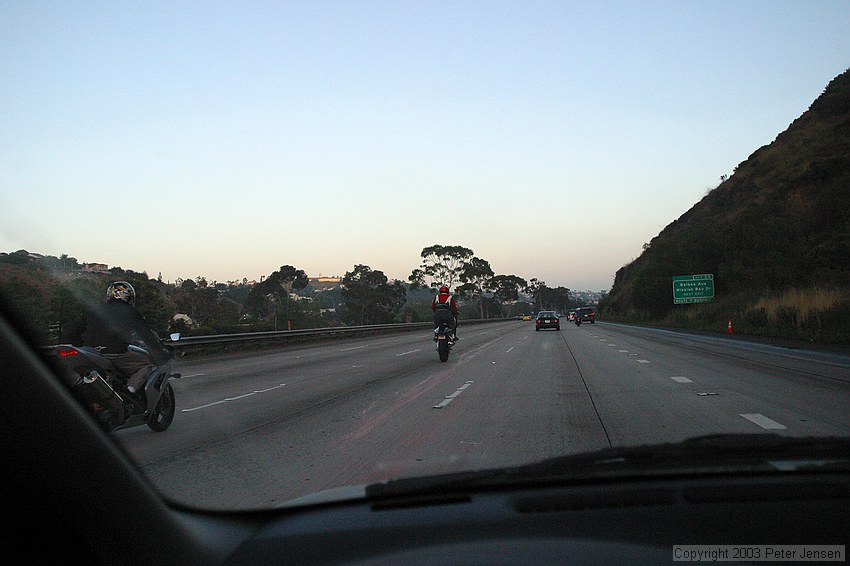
point(68, 352)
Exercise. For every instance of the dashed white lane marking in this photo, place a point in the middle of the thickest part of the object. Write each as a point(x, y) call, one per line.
point(233, 398)
point(354, 348)
point(681, 379)
point(509, 350)
point(623, 351)
point(763, 421)
point(405, 353)
point(642, 361)
point(450, 398)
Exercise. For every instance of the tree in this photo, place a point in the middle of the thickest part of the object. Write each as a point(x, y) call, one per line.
point(265, 298)
point(557, 298)
point(506, 289)
point(369, 298)
point(151, 301)
point(441, 265)
point(534, 288)
point(476, 278)
point(203, 304)
point(289, 278)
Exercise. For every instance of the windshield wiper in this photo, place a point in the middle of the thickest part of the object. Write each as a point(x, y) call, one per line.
point(722, 453)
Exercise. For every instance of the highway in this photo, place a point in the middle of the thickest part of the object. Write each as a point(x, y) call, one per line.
point(255, 430)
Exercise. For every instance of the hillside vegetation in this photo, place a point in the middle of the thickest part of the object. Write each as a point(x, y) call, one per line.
point(775, 235)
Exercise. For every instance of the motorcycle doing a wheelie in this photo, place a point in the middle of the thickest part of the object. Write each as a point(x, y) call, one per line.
point(102, 389)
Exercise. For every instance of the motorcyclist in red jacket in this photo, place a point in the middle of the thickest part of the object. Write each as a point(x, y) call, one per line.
point(445, 310)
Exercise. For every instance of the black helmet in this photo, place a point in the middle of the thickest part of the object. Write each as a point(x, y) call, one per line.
point(121, 291)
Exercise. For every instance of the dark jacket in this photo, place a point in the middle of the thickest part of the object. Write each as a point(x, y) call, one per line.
point(115, 325)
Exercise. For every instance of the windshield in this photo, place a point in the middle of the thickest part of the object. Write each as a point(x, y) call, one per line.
point(286, 186)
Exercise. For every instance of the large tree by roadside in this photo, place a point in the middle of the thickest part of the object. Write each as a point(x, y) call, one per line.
point(506, 289)
point(476, 278)
point(271, 294)
point(441, 265)
point(369, 298)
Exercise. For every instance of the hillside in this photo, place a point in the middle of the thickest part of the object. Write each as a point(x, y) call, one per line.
point(775, 235)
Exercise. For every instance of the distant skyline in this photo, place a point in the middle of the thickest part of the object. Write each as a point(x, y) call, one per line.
point(553, 138)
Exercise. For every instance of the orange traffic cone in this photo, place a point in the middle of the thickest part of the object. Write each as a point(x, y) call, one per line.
point(729, 327)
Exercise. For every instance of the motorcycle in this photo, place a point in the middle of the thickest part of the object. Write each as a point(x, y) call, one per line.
point(443, 338)
point(102, 389)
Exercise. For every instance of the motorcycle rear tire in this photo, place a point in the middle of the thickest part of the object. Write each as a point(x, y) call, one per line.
point(443, 350)
point(162, 415)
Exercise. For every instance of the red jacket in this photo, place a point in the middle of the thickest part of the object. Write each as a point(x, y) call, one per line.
point(444, 300)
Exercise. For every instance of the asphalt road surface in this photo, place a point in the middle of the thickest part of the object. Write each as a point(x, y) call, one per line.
point(255, 430)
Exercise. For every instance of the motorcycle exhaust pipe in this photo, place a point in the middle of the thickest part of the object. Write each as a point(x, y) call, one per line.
point(95, 390)
point(96, 386)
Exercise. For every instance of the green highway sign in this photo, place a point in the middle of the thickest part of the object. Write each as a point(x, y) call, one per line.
point(693, 289)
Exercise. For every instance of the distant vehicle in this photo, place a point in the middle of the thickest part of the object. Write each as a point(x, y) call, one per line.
point(587, 314)
point(547, 319)
point(572, 316)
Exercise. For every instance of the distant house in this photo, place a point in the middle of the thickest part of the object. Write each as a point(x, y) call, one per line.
point(184, 318)
point(95, 268)
point(324, 282)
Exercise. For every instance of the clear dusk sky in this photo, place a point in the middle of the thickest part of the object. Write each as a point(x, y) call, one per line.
point(225, 139)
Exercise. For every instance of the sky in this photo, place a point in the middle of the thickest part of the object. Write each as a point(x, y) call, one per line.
point(226, 139)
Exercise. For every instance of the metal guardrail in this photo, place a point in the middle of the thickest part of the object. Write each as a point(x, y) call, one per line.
point(218, 343)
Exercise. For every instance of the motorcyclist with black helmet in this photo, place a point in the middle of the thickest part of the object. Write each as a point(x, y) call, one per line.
point(116, 324)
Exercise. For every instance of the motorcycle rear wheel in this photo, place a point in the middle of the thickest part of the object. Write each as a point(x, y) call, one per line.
point(443, 349)
point(162, 415)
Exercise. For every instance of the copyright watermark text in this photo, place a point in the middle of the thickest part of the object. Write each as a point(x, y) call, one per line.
point(759, 552)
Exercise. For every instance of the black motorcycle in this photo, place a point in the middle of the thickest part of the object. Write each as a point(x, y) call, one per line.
point(102, 389)
point(444, 340)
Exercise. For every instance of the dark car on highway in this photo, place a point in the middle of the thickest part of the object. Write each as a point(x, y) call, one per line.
point(547, 319)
